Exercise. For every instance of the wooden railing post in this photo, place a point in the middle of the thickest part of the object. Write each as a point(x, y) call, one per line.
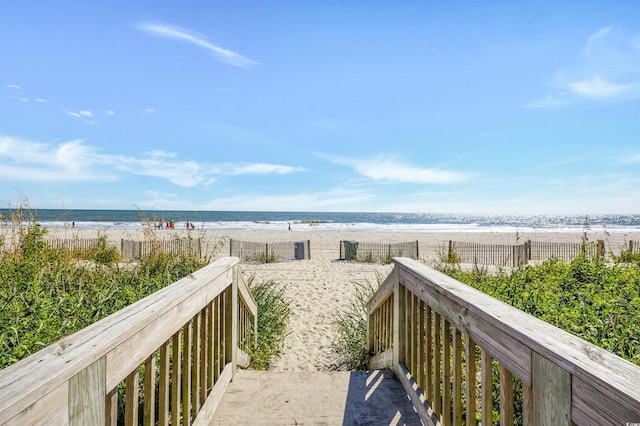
point(231, 321)
point(551, 392)
point(87, 395)
point(398, 322)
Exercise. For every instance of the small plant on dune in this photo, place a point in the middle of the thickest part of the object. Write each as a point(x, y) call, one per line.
point(273, 314)
point(352, 345)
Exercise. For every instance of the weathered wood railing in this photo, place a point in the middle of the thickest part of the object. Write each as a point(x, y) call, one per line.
point(429, 328)
point(172, 354)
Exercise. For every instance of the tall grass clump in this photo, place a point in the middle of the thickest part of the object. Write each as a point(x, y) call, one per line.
point(351, 344)
point(273, 314)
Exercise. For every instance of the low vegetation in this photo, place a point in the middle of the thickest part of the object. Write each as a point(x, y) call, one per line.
point(591, 299)
point(273, 314)
point(351, 344)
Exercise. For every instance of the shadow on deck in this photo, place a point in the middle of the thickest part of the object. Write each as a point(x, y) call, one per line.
point(317, 398)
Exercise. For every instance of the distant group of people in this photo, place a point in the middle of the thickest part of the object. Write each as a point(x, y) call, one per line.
point(166, 225)
point(172, 225)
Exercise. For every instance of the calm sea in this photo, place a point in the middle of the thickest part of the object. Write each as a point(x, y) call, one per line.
point(326, 221)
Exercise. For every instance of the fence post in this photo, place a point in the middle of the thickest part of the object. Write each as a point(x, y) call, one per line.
point(340, 250)
point(309, 249)
point(417, 250)
point(230, 247)
point(600, 249)
point(450, 253)
point(266, 252)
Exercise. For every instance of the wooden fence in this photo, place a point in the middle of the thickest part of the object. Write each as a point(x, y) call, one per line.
point(440, 336)
point(487, 254)
point(132, 250)
point(544, 250)
point(519, 254)
point(75, 244)
point(377, 252)
point(270, 252)
point(170, 355)
point(179, 247)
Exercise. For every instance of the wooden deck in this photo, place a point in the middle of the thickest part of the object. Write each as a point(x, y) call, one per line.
point(315, 398)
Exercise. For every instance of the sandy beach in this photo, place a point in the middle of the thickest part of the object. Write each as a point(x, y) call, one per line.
point(323, 285)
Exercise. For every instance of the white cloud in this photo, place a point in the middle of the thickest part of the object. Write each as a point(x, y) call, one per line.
point(28, 161)
point(598, 88)
point(73, 161)
point(148, 111)
point(387, 168)
point(42, 101)
point(263, 169)
point(609, 71)
point(85, 113)
point(110, 112)
point(13, 86)
point(176, 33)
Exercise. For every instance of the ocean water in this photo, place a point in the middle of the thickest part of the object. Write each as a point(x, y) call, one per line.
point(327, 221)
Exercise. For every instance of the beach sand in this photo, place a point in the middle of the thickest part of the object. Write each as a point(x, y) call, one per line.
point(320, 287)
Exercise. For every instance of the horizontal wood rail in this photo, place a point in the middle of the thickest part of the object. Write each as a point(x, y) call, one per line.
point(169, 355)
point(449, 344)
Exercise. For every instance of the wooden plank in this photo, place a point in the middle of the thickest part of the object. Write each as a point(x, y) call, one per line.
point(87, 395)
point(429, 358)
point(591, 406)
point(205, 416)
point(176, 377)
point(506, 397)
point(382, 360)
point(457, 377)
point(551, 393)
point(398, 327)
point(486, 372)
point(446, 372)
point(527, 405)
point(437, 363)
point(385, 290)
point(186, 374)
point(149, 401)
point(195, 363)
point(426, 414)
point(423, 359)
point(163, 386)
point(50, 409)
point(131, 399)
point(470, 377)
point(246, 297)
point(111, 409)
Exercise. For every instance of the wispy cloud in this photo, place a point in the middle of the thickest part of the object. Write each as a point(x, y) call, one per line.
point(176, 33)
point(71, 161)
point(262, 169)
point(609, 70)
point(13, 86)
point(74, 161)
point(388, 168)
point(42, 101)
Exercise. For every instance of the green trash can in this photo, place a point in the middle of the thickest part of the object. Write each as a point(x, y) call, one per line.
point(350, 250)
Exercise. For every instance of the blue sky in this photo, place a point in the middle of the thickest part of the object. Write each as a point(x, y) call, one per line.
point(415, 106)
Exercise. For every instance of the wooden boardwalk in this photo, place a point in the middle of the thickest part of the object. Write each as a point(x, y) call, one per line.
point(315, 398)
